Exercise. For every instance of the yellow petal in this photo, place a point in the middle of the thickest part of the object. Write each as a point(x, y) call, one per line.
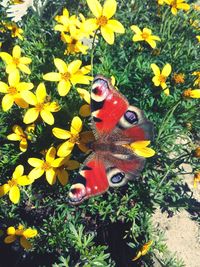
point(36, 173)
point(84, 94)
point(136, 29)
point(80, 78)
point(57, 162)
point(11, 230)
point(25, 243)
point(107, 34)
point(4, 189)
point(156, 80)
point(18, 130)
point(61, 134)
point(30, 233)
point(195, 93)
point(25, 60)
point(140, 144)
point(74, 66)
point(109, 8)
point(63, 87)
point(50, 155)
point(24, 68)
point(25, 86)
point(90, 25)
point(166, 91)
point(13, 137)
point(29, 97)
point(145, 152)
point(7, 102)
point(60, 65)
point(76, 125)
point(23, 145)
point(52, 76)
point(16, 51)
point(31, 115)
point(21, 102)
point(25, 180)
point(151, 42)
point(166, 70)
point(51, 176)
point(95, 7)
point(14, 78)
point(47, 117)
point(41, 93)
point(35, 162)
point(6, 57)
point(65, 149)
point(63, 176)
point(85, 111)
point(19, 170)
point(155, 69)
point(139, 254)
point(174, 11)
point(146, 247)
point(9, 239)
point(116, 26)
point(14, 194)
point(183, 6)
point(137, 38)
point(3, 87)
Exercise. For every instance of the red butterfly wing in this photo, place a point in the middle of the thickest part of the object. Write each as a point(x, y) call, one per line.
point(91, 180)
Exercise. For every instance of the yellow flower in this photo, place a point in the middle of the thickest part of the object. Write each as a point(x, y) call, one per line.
point(144, 35)
point(198, 38)
point(197, 81)
point(196, 179)
point(140, 148)
point(102, 19)
point(11, 186)
point(20, 135)
point(179, 78)
point(42, 107)
point(145, 248)
point(22, 234)
point(189, 93)
point(161, 2)
point(73, 137)
point(47, 166)
point(84, 110)
point(62, 171)
point(15, 30)
point(74, 43)
point(16, 61)
point(177, 4)
point(13, 91)
point(68, 75)
point(66, 23)
point(160, 77)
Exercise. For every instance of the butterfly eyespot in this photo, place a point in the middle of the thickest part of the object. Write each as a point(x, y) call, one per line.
point(100, 90)
point(77, 193)
point(130, 118)
point(115, 177)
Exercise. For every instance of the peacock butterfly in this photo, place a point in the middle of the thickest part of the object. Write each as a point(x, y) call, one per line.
point(115, 124)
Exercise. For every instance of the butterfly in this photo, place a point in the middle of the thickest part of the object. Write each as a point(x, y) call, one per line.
point(115, 124)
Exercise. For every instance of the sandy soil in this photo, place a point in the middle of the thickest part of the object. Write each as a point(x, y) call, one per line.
point(181, 232)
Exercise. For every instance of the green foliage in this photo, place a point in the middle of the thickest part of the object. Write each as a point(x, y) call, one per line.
point(109, 229)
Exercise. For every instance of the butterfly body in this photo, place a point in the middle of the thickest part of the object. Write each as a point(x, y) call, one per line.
point(112, 162)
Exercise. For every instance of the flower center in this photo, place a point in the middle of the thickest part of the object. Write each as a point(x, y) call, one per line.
point(145, 35)
point(16, 61)
point(102, 21)
point(46, 166)
point(74, 41)
point(179, 78)
point(75, 139)
point(39, 107)
point(186, 93)
point(12, 91)
point(12, 182)
point(66, 76)
point(162, 79)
